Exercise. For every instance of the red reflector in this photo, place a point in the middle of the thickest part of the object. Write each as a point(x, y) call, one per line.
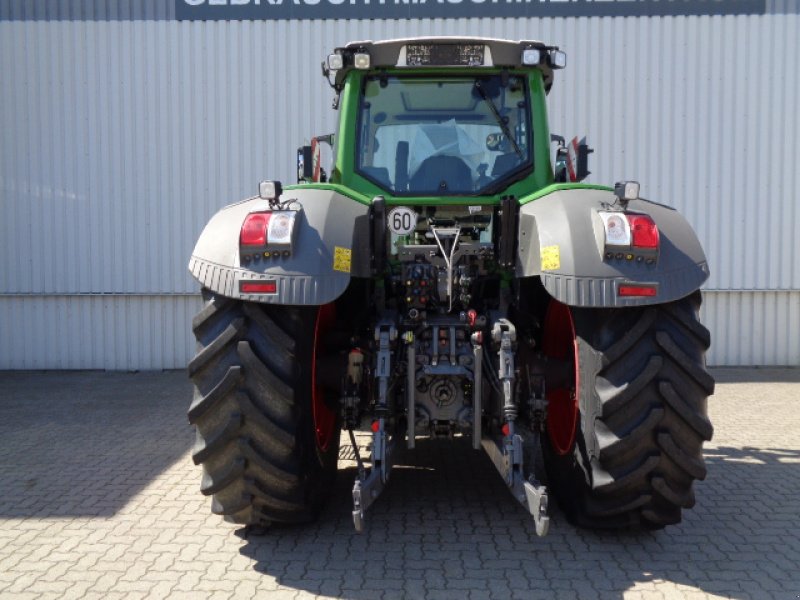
point(376, 426)
point(254, 229)
point(644, 232)
point(506, 430)
point(637, 290)
point(259, 287)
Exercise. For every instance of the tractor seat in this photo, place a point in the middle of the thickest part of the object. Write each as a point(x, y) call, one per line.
point(440, 174)
point(505, 163)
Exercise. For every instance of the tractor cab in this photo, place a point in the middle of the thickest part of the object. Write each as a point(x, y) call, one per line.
point(442, 117)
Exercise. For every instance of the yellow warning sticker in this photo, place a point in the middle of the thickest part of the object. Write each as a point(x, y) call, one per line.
point(342, 257)
point(551, 258)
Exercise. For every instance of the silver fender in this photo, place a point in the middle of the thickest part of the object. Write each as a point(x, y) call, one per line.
point(330, 225)
point(564, 229)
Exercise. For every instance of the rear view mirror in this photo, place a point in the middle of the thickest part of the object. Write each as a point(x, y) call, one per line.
point(305, 164)
point(578, 160)
point(560, 160)
point(311, 159)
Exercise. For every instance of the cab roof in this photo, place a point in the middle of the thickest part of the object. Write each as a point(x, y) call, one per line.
point(394, 53)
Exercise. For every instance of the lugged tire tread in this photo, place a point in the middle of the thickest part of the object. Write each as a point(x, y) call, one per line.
point(614, 399)
point(612, 447)
point(685, 499)
point(265, 496)
point(273, 333)
point(215, 441)
point(207, 354)
point(696, 420)
point(695, 327)
point(270, 328)
point(642, 448)
point(214, 483)
point(625, 481)
point(213, 306)
point(256, 445)
point(283, 391)
point(700, 375)
point(250, 450)
point(254, 416)
point(269, 514)
point(692, 466)
point(243, 503)
point(630, 338)
point(202, 404)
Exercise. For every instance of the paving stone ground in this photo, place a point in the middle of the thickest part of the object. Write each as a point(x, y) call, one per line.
point(99, 499)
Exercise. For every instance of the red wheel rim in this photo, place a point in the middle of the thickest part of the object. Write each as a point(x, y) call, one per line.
point(562, 403)
point(324, 417)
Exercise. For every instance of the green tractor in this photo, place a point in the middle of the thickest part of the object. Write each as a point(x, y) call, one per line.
point(442, 277)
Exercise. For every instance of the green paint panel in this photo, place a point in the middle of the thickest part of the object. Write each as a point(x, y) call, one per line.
point(555, 187)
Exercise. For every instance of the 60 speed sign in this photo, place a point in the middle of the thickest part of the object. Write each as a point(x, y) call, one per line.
point(402, 220)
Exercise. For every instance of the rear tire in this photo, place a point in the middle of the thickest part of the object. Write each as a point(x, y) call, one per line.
point(253, 409)
point(642, 400)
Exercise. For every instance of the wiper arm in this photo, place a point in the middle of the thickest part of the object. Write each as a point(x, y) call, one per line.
point(500, 120)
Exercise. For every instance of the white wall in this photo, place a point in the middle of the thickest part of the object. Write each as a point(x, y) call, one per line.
point(121, 138)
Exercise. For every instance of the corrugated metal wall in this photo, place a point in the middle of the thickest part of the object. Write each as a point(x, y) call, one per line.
point(120, 138)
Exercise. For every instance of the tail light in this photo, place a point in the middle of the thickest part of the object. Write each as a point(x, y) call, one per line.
point(254, 229)
point(643, 231)
point(617, 229)
point(272, 231)
point(281, 227)
point(637, 290)
point(258, 287)
point(630, 230)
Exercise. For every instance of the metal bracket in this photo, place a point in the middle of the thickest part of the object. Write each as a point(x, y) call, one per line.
point(477, 388)
point(367, 489)
point(507, 458)
point(506, 452)
point(411, 387)
point(444, 233)
point(536, 497)
point(504, 334)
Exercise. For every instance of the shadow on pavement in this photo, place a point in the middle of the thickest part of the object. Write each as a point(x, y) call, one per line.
point(447, 524)
point(756, 374)
point(84, 443)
